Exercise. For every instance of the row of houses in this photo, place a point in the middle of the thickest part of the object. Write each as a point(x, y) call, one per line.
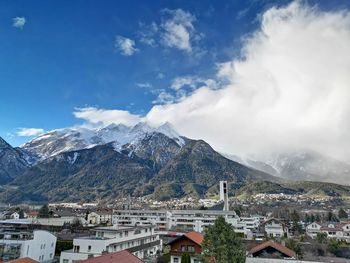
point(334, 230)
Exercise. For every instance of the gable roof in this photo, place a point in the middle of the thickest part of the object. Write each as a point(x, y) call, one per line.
point(275, 245)
point(195, 237)
point(123, 256)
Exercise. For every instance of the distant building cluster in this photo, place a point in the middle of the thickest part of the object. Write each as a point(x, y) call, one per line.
point(124, 234)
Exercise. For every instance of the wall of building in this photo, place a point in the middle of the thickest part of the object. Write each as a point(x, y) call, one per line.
point(41, 247)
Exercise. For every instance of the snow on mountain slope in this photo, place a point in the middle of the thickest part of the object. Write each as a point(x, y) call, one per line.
point(76, 138)
point(300, 165)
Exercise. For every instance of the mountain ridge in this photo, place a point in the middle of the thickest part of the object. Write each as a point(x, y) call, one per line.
point(104, 172)
point(103, 164)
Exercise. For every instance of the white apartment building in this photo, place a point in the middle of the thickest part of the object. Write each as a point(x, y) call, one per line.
point(275, 228)
point(249, 226)
point(140, 240)
point(98, 217)
point(336, 230)
point(38, 245)
point(180, 220)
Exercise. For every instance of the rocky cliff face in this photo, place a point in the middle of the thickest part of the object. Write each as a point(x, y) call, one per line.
point(12, 162)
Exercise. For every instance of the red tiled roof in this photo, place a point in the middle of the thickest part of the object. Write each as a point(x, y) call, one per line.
point(195, 237)
point(123, 256)
point(24, 260)
point(276, 246)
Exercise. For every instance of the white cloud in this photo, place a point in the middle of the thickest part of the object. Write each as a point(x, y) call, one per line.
point(19, 22)
point(126, 46)
point(192, 82)
point(148, 34)
point(105, 117)
point(145, 85)
point(27, 132)
point(291, 90)
point(178, 30)
point(163, 97)
point(180, 82)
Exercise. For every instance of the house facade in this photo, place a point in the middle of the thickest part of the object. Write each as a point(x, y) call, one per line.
point(38, 245)
point(180, 220)
point(100, 217)
point(141, 241)
point(335, 230)
point(275, 228)
point(190, 243)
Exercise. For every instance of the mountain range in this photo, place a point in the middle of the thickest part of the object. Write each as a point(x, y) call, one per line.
point(83, 164)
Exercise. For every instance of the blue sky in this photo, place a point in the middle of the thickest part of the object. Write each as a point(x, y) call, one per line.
point(76, 54)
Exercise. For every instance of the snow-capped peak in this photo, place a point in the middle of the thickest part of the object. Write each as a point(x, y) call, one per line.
point(168, 130)
point(76, 138)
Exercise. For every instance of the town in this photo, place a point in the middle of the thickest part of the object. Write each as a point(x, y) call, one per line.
point(143, 230)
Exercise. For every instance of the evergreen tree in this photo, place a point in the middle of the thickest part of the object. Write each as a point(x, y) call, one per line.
point(185, 258)
point(44, 212)
point(296, 226)
point(221, 244)
point(307, 218)
point(321, 238)
point(296, 247)
point(21, 214)
point(333, 245)
point(332, 217)
point(342, 214)
point(312, 218)
point(317, 218)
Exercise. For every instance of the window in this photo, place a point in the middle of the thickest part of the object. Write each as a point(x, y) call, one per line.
point(65, 261)
point(50, 255)
point(126, 233)
point(183, 248)
point(89, 248)
point(190, 248)
point(176, 260)
point(76, 249)
point(52, 244)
